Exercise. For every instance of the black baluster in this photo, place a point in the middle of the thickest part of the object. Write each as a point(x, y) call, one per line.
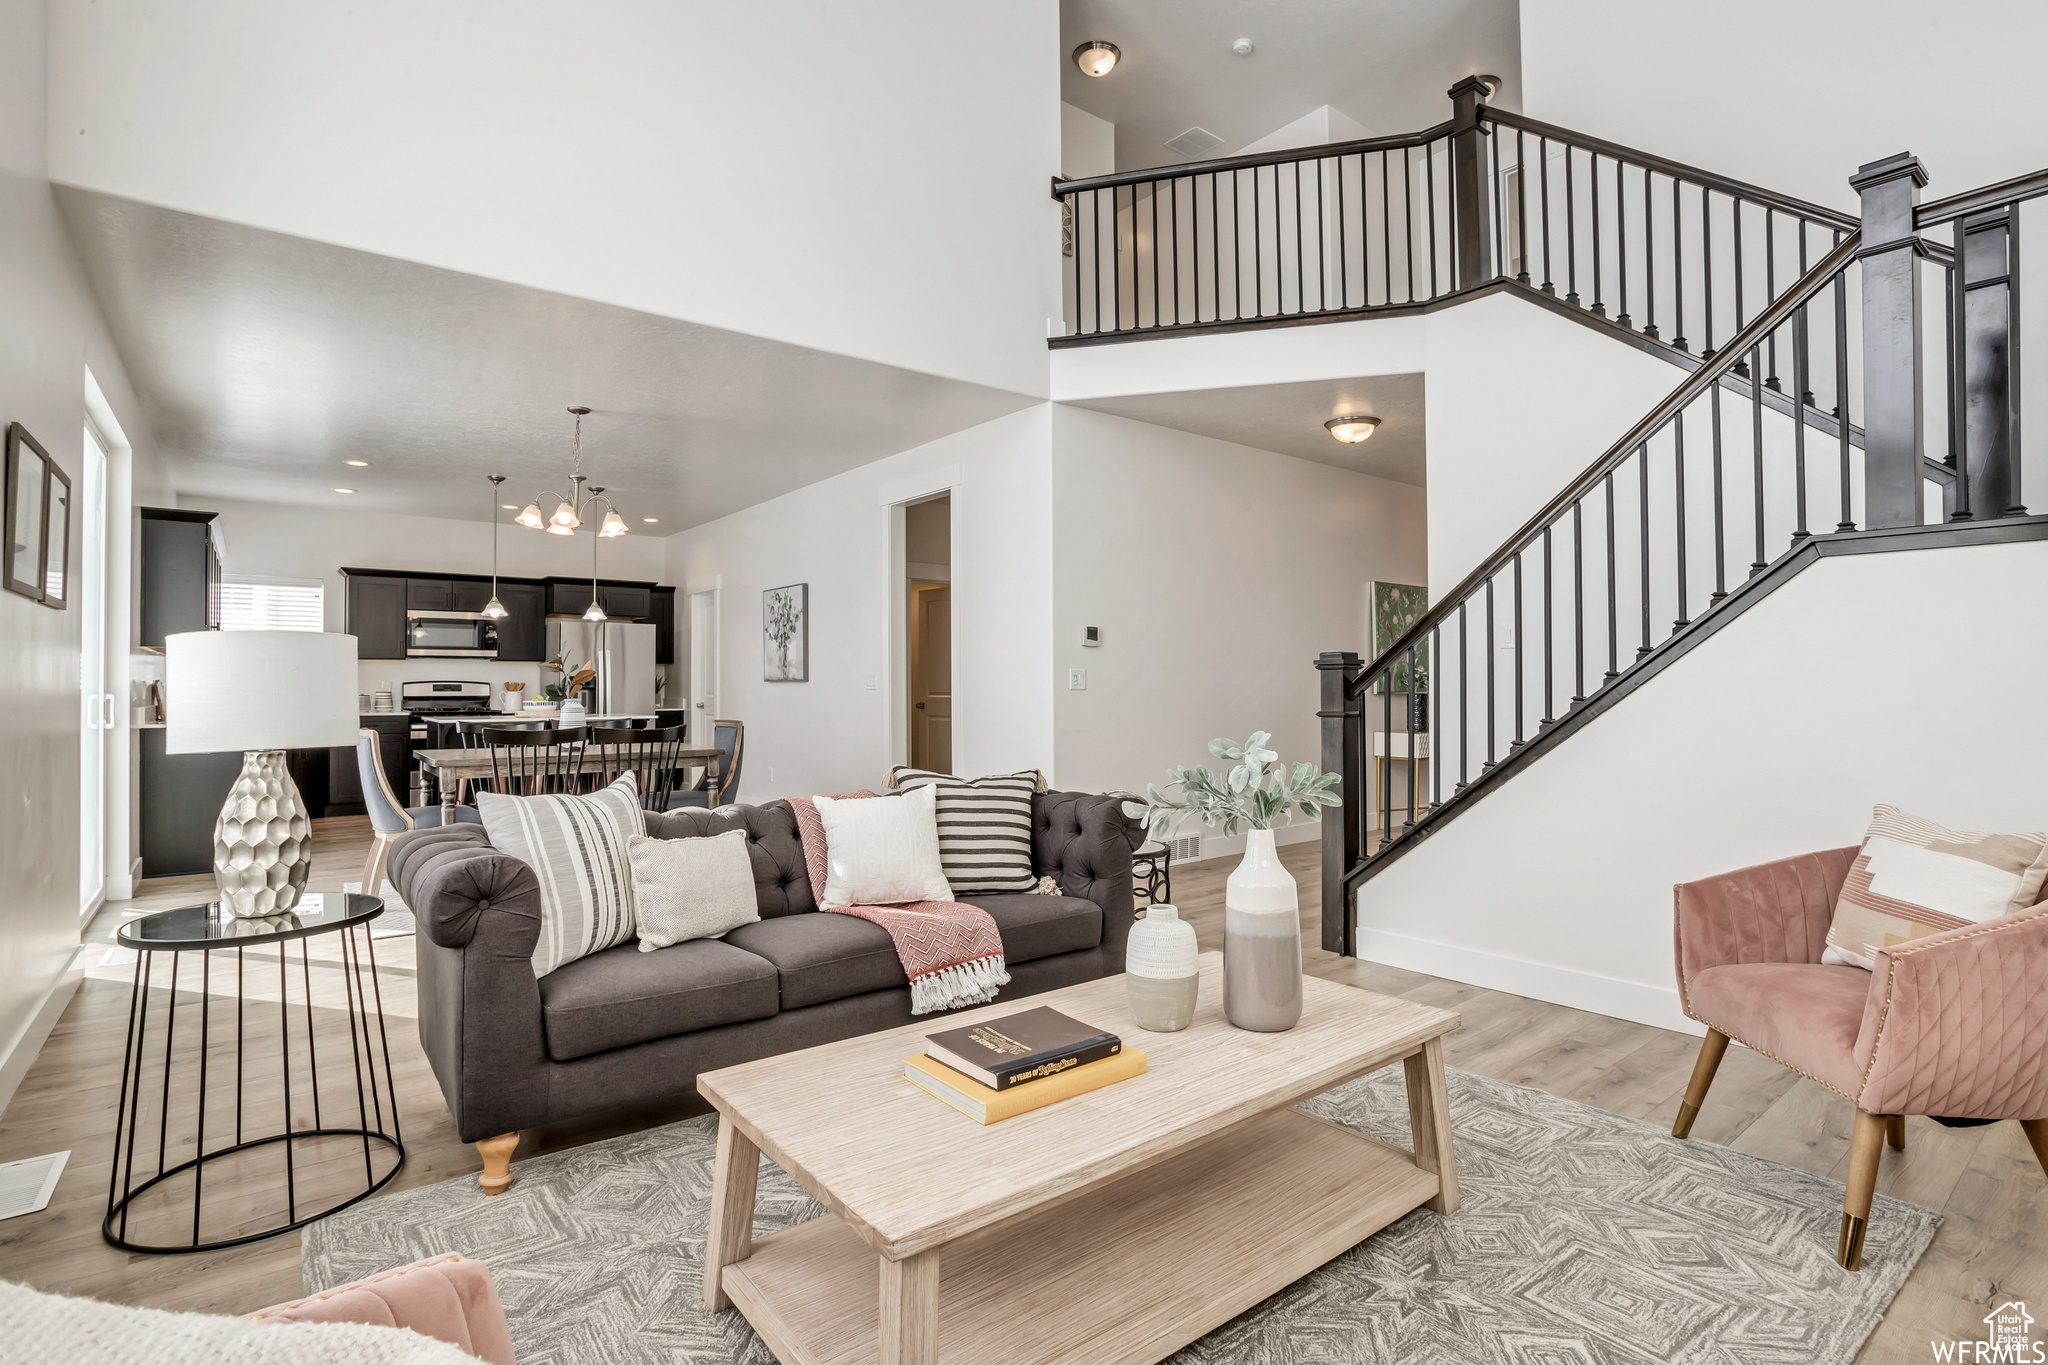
point(1464, 707)
point(1492, 706)
point(1521, 652)
point(1521, 208)
point(1386, 225)
point(1258, 240)
point(1429, 197)
point(1720, 516)
point(1215, 252)
point(1344, 242)
point(1493, 194)
point(1156, 319)
point(1735, 221)
point(1800, 379)
point(1848, 521)
point(1578, 603)
point(1300, 247)
point(1549, 656)
point(1173, 223)
point(1707, 265)
point(1436, 767)
point(1593, 179)
point(1621, 241)
point(1408, 712)
point(1384, 768)
point(1613, 603)
point(1643, 479)
point(1543, 185)
point(1649, 255)
point(1678, 469)
point(1571, 235)
point(1959, 381)
point(1677, 267)
point(2017, 507)
point(1771, 296)
point(1756, 449)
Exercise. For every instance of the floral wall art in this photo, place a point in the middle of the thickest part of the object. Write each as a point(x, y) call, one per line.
point(786, 633)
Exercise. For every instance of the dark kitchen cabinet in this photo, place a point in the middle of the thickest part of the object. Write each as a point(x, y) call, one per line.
point(181, 798)
point(625, 603)
point(180, 576)
point(570, 598)
point(664, 601)
point(376, 615)
point(429, 594)
point(394, 750)
point(469, 594)
point(523, 633)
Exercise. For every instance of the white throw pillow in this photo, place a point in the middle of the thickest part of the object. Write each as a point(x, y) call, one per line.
point(691, 888)
point(576, 846)
point(882, 852)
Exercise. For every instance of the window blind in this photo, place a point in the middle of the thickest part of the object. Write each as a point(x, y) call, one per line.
point(250, 603)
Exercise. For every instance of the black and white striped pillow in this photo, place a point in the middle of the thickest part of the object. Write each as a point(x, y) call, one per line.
point(984, 828)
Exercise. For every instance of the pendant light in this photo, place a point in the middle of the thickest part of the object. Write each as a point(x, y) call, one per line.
point(595, 611)
point(494, 609)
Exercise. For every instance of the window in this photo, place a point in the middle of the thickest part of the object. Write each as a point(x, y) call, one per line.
point(252, 603)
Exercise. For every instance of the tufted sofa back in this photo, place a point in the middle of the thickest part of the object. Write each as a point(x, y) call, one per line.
point(782, 881)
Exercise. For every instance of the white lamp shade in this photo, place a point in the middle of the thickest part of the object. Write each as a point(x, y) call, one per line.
point(229, 691)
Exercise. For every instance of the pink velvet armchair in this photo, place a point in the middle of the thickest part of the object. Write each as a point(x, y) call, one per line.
point(450, 1298)
point(1955, 1024)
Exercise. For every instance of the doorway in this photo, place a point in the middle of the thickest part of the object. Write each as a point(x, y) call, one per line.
point(703, 666)
point(928, 609)
point(96, 703)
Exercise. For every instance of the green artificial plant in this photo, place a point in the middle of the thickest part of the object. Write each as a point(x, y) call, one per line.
point(1258, 791)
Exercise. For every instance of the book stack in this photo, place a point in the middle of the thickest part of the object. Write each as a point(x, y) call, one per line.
point(1018, 1063)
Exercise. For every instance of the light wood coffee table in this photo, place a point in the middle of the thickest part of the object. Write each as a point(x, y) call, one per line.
point(1114, 1227)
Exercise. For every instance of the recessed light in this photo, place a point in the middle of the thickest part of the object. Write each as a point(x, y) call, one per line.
point(650, 520)
point(1352, 429)
point(344, 490)
point(1096, 58)
point(359, 464)
point(509, 506)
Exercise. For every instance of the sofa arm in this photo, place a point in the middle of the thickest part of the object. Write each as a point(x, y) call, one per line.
point(448, 1298)
point(453, 879)
point(1773, 912)
point(1084, 842)
point(1957, 1023)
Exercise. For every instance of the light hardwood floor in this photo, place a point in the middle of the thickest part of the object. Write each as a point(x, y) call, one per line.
point(1992, 1246)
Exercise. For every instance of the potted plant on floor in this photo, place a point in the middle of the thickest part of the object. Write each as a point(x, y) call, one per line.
point(1261, 914)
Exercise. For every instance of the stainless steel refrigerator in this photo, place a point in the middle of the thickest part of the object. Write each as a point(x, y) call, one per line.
point(623, 652)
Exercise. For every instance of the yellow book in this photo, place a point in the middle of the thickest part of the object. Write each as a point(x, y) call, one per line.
point(985, 1106)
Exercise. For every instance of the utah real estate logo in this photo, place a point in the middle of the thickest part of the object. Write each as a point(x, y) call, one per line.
point(2009, 1331)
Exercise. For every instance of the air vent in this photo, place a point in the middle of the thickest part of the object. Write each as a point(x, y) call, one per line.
point(1187, 848)
point(1194, 142)
point(25, 1186)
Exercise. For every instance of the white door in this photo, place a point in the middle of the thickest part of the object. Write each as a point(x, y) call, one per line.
point(703, 665)
point(95, 702)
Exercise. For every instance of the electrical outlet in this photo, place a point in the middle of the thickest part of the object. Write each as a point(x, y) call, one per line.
point(1077, 680)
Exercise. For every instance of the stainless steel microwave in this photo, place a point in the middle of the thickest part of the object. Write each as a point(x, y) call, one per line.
point(450, 635)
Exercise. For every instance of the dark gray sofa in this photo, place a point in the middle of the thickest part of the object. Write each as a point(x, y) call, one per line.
point(622, 1026)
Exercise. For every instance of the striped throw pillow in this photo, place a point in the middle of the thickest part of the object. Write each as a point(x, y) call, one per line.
point(576, 846)
point(1913, 878)
point(984, 828)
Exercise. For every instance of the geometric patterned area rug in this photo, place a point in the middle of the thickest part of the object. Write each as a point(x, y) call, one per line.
point(1584, 1238)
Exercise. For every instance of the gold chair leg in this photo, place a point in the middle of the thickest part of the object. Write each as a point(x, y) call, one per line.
point(1895, 1132)
point(1712, 1048)
point(497, 1154)
point(1866, 1146)
point(2037, 1138)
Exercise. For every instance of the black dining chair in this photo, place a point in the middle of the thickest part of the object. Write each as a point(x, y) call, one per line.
point(534, 760)
point(653, 756)
point(720, 784)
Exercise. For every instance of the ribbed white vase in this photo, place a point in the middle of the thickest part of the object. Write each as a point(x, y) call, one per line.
point(1261, 941)
point(1162, 970)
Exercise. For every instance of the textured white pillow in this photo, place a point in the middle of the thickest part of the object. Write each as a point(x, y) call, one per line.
point(690, 888)
point(882, 852)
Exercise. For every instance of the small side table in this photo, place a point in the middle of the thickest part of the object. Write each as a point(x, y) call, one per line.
point(1152, 870)
point(246, 1072)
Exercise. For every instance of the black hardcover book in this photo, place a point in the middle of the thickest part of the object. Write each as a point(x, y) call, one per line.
point(1022, 1047)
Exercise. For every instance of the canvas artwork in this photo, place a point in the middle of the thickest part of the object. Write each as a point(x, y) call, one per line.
point(785, 633)
point(1396, 607)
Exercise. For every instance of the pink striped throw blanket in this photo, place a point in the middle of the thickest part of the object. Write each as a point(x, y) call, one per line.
point(952, 953)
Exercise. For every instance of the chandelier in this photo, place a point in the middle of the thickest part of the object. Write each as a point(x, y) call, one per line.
point(570, 512)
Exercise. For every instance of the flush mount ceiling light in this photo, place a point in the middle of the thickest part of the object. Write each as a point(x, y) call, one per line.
point(1097, 58)
point(1352, 429)
point(570, 511)
point(494, 608)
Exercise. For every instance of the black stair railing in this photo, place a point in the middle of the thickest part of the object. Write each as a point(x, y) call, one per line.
point(1720, 492)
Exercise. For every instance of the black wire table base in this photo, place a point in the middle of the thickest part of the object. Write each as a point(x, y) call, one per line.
point(174, 1077)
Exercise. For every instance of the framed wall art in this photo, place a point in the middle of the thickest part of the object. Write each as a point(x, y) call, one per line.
point(786, 633)
point(38, 522)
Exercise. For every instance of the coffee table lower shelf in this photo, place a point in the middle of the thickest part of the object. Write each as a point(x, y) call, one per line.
point(1125, 1274)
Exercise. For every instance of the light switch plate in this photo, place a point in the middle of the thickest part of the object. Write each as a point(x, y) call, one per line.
point(869, 679)
point(1077, 680)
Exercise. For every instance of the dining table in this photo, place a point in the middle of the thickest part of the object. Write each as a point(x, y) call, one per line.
point(448, 769)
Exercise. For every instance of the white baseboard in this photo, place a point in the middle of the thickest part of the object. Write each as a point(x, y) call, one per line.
point(1216, 845)
point(22, 1050)
point(1657, 1006)
point(121, 886)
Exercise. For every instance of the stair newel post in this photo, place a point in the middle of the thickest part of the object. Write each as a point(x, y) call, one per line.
point(1892, 344)
point(1343, 753)
point(1471, 185)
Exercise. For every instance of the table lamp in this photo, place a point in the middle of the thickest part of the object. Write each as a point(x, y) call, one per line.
point(262, 692)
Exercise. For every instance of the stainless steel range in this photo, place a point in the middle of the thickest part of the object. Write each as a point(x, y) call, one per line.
point(426, 701)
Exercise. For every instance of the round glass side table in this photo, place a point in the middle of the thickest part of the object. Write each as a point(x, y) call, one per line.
point(266, 1078)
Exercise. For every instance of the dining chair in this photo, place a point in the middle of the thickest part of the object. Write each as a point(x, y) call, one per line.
point(719, 785)
point(388, 819)
point(538, 761)
point(653, 756)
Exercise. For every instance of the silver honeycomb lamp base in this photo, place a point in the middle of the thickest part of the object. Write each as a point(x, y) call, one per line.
point(263, 841)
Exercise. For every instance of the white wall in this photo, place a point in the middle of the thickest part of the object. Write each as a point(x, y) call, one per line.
point(1217, 573)
point(1774, 737)
point(834, 732)
point(50, 331)
point(310, 542)
point(1315, 128)
point(1087, 143)
point(869, 180)
point(1795, 97)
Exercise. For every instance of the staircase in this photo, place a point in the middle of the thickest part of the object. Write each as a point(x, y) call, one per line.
point(1820, 402)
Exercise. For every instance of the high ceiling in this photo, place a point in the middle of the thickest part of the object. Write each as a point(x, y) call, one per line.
point(1289, 418)
point(265, 361)
point(1385, 63)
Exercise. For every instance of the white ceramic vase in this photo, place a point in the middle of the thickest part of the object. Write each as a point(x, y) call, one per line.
point(1261, 941)
point(1162, 970)
point(573, 714)
point(262, 842)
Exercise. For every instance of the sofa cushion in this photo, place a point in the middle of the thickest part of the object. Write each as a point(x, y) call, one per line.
point(622, 996)
point(1041, 926)
point(829, 957)
point(782, 883)
point(1802, 1014)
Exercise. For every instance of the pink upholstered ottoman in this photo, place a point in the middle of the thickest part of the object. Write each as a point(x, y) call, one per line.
point(450, 1298)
